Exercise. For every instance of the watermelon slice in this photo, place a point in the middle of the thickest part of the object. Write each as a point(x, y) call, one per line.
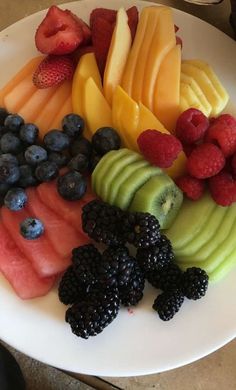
point(19, 271)
point(62, 235)
point(40, 252)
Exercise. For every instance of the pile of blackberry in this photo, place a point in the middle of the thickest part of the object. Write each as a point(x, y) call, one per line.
point(27, 161)
point(98, 283)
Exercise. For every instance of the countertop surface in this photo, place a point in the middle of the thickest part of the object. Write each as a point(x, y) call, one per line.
point(214, 372)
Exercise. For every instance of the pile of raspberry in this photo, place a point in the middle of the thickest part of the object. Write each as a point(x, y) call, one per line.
point(210, 146)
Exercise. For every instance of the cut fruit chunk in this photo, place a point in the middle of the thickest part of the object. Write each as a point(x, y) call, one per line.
point(160, 197)
point(192, 99)
point(131, 185)
point(224, 268)
point(205, 105)
point(126, 173)
point(114, 169)
point(96, 109)
point(19, 95)
point(117, 55)
point(40, 252)
point(183, 104)
point(167, 89)
point(65, 110)
point(69, 211)
point(19, 271)
point(99, 173)
point(190, 221)
point(62, 235)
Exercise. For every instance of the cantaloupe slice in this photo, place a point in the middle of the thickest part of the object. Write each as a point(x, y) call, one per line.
point(167, 89)
point(25, 71)
point(127, 78)
point(52, 108)
point(19, 95)
point(65, 109)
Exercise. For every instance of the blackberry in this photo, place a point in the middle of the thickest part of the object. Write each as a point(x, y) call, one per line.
point(155, 257)
point(102, 222)
point(141, 229)
point(194, 283)
point(168, 278)
point(90, 316)
point(85, 260)
point(132, 293)
point(168, 304)
point(115, 267)
point(70, 289)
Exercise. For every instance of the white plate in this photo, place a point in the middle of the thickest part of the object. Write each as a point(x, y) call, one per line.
point(135, 343)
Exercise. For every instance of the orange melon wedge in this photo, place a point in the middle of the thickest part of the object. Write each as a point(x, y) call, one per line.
point(65, 109)
point(19, 94)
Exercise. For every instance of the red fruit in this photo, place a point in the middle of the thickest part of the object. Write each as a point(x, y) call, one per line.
point(108, 14)
point(78, 53)
point(133, 20)
point(223, 189)
point(158, 148)
point(233, 165)
point(188, 149)
point(226, 119)
point(206, 160)
point(102, 32)
point(176, 28)
point(179, 41)
point(61, 32)
point(53, 70)
point(193, 188)
point(191, 126)
point(223, 133)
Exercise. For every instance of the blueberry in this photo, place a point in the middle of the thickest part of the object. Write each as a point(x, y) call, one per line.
point(35, 154)
point(73, 125)
point(15, 199)
point(56, 141)
point(58, 158)
point(46, 171)
point(31, 228)
point(94, 160)
point(13, 122)
point(9, 173)
point(27, 178)
point(10, 143)
point(79, 163)
point(29, 133)
point(8, 158)
point(3, 115)
point(71, 186)
point(105, 139)
point(3, 130)
point(81, 145)
point(4, 188)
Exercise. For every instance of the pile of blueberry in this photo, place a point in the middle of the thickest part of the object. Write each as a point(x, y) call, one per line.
point(26, 161)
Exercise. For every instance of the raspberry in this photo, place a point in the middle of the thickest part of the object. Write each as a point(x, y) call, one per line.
point(205, 161)
point(227, 119)
point(191, 126)
point(158, 148)
point(223, 134)
point(233, 165)
point(223, 189)
point(188, 149)
point(193, 188)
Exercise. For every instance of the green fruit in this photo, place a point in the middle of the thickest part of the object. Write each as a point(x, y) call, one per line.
point(190, 251)
point(132, 184)
point(128, 171)
point(159, 196)
point(224, 268)
point(115, 168)
point(103, 166)
point(190, 221)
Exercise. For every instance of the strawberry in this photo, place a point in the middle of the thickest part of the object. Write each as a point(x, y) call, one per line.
point(61, 32)
point(102, 32)
point(108, 14)
point(78, 53)
point(133, 20)
point(53, 70)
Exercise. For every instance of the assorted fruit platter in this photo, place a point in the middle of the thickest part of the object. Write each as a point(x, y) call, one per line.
point(117, 168)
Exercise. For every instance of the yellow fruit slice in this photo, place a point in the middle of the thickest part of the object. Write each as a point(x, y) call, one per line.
point(19, 94)
point(213, 77)
point(206, 86)
point(188, 93)
point(97, 111)
point(183, 104)
point(87, 67)
point(178, 167)
point(128, 74)
point(167, 89)
point(117, 55)
point(206, 107)
point(144, 52)
point(163, 41)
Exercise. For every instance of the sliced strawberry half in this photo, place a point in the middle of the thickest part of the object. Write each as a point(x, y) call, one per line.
point(101, 37)
point(133, 20)
point(53, 70)
point(108, 14)
point(61, 32)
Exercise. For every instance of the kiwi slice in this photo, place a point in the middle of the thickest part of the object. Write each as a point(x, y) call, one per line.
point(103, 166)
point(128, 171)
point(159, 196)
point(116, 167)
point(131, 185)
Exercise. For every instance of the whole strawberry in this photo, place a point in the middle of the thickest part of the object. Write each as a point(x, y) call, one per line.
point(53, 70)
